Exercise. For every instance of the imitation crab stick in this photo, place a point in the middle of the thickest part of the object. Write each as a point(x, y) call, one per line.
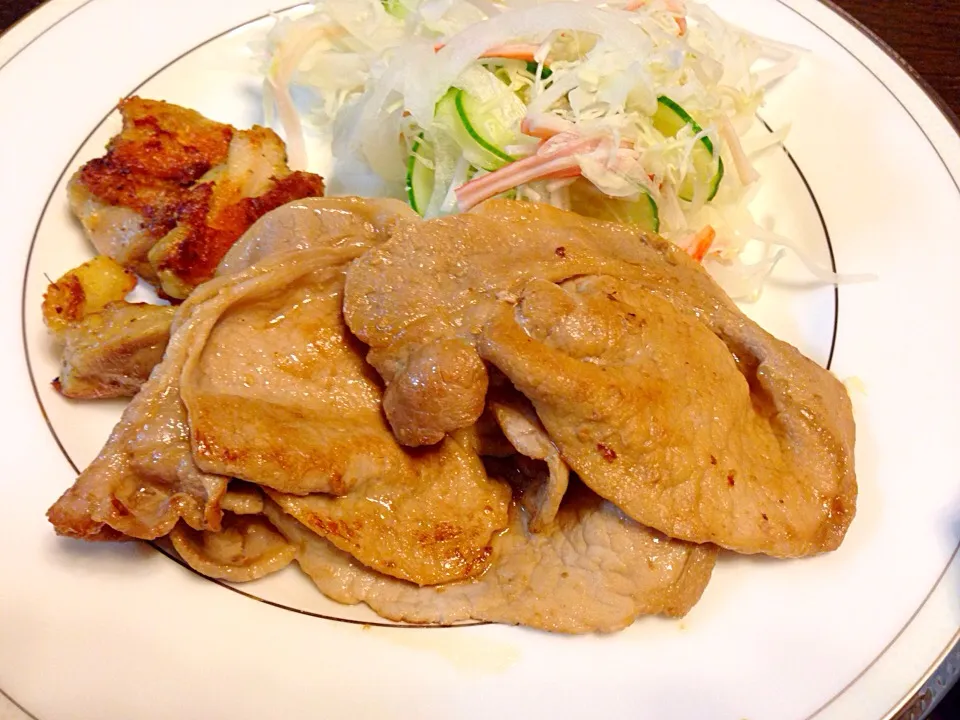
point(674, 7)
point(513, 51)
point(702, 242)
point(556, 159)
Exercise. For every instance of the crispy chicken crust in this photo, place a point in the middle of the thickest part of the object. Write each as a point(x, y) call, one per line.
point(175, 190)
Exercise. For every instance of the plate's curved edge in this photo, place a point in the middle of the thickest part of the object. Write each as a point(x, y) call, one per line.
point(43, 7)
point(945, 671)
point(944, 674)
point(18, 706)
point(935, 97)
point(933, 687)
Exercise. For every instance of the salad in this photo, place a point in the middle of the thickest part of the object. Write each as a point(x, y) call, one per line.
point(627, 110)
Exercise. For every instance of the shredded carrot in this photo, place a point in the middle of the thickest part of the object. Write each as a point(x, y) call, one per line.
point(702, 242)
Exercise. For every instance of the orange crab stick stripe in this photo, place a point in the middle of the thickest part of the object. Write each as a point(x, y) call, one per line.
point(515, 51)
point(551, 163)
point(702, 242)
point(545, 126)
point(679, 17)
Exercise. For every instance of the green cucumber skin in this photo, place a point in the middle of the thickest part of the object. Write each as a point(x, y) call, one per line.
point(669, 106)
point(464, 117)
point(410, 182)
point(476, 152)
point(654, 214)
point(645, 213)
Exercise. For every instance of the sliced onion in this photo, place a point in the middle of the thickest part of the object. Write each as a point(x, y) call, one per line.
point(532, 23)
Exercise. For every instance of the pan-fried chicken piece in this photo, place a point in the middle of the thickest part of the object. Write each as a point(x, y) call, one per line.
point(707, 431)
point(226, 201)
point(292, 405)
point(246, 548)
point(175, 190)
point(109, 346)
point(520, 424)
point(111, 353)
point(128, 199)
point(593, 570)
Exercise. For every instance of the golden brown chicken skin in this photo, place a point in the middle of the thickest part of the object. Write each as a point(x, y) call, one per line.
point(175, 190)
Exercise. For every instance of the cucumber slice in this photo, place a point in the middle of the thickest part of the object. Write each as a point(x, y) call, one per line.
point(587, 200)
point(484, 128)
point(483, 120)
point(670, 119)
point(454, 117)
point(419, 181)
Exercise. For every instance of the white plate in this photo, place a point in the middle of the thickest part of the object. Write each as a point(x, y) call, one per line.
point(121, 631)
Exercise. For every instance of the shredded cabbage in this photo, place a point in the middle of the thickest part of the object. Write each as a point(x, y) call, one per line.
point(588, 76)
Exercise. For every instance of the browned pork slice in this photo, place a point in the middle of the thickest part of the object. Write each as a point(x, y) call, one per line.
point(420, 299)
point(594, 570)
point(443, 281)
point(314, 222)
point(520, 424)
point(246, 548)
point(242, 499)
point(710, 434)
point(428, 519)
point(279, 394)
point(111, 353)
point(144, 480)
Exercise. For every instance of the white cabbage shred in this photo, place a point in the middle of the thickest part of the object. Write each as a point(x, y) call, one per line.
point(588, 76)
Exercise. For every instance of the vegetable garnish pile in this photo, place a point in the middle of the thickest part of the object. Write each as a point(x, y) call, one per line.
point(630, 110)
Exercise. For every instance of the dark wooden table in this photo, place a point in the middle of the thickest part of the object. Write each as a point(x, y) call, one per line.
point(924, 32)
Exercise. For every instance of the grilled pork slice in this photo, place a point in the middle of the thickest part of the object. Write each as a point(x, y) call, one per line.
point(144, 480)
point(521, 426)
point(709, 431)
point(246, 548)
point(317, 222)
point(592, 570)
point(261, 381)
point(278, 394)
point(175, 178)
point(111, 353)
point(660, 394)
